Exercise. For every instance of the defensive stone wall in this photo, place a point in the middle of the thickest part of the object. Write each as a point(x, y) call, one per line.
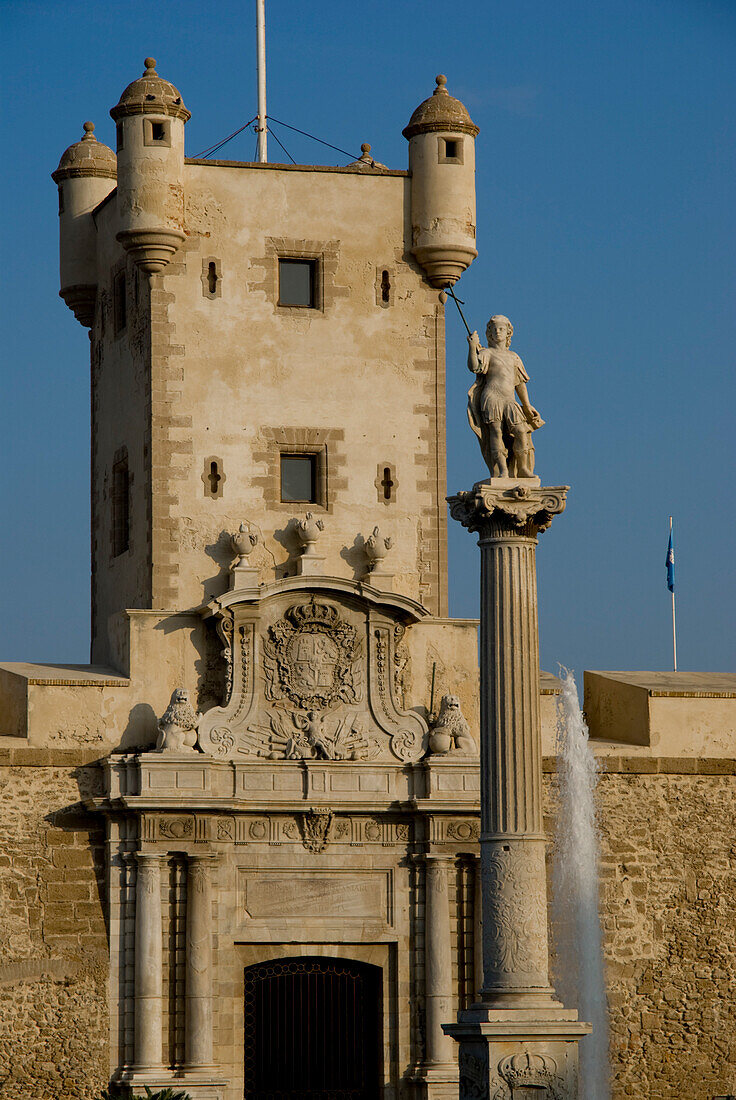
point(54, 970)
point(668, 877)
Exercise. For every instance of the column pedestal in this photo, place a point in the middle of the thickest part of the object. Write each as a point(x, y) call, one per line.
point(518, 1039)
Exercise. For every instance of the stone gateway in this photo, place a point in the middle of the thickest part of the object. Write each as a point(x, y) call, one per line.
point(241, 848)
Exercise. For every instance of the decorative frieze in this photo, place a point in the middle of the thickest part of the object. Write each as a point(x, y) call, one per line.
point(176, 828)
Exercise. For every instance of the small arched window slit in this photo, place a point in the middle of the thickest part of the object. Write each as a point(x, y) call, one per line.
point(386, 483)
point(213, 477)
point(385, 287)
point(211, 277)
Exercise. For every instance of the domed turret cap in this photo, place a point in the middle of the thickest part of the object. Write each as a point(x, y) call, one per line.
point(150, 93)
point(441, 112)
point(88, 157)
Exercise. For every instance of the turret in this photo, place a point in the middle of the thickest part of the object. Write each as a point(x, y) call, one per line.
point(85, 176)
point(441, 136)
point(150, 120)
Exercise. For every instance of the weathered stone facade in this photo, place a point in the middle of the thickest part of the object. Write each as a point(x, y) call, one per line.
point(669, 925)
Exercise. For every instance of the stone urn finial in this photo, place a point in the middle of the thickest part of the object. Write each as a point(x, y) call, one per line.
point(243, 542)
point(177, 730)
point(376, 547)
point(308, 531)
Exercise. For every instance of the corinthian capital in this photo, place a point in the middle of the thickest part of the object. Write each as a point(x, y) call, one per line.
point(510, 507)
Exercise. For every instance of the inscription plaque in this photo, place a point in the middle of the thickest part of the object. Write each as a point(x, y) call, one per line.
point(318, 895)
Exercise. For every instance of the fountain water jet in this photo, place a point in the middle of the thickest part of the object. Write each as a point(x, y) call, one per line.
point(575, 916)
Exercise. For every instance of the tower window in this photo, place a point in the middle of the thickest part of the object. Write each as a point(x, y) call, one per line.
point(156, 133)
point(386, 483)
point(385, 288)
point(120, 304)
point(213, 477)
point(120, 133)
point(297, 283)
point(299, 479)
point(450, 150)
point(211, 277)
point(120, 505)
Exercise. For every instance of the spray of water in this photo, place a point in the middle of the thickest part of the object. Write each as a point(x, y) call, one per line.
point(576, 923)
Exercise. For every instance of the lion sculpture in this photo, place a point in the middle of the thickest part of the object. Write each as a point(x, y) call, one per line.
point(177, 730)
point(451, 732)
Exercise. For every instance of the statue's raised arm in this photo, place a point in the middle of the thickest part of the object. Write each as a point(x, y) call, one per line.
point(503, 426)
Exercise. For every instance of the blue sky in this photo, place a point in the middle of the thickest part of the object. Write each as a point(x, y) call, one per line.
point(606, 222)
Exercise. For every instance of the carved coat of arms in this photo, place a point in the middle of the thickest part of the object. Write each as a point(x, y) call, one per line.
point(310, 656)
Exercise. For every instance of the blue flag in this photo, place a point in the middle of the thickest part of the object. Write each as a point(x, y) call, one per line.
point(670, 563)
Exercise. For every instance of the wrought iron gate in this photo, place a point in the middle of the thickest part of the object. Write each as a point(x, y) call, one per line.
point(313, 1030)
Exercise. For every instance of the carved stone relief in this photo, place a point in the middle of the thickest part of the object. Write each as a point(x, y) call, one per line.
point(473, 1070)
point(402, 666)
point(514, 893)
point(407, 740)
point(527, 1073)
point(463, 830)
point(176, 828)
point(295, 689)
point(310, 656)
point(316, 829)
point(294, 735)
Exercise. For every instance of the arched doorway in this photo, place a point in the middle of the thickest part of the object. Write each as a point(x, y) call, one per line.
point(313, 1030)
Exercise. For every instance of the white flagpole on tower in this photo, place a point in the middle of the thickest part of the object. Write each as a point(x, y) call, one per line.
point(261, 36)
point(674, 628)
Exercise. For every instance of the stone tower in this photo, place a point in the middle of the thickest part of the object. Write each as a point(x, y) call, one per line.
point(252, 324)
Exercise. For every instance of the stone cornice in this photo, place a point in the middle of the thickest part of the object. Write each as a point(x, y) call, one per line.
point(511, 507)
point(338, 585)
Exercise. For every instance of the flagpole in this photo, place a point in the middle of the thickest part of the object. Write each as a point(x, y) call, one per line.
point(261, 51)
point(674, 628)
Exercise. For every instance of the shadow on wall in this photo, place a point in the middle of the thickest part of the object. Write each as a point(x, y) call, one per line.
point(141, 729)
point(355, 557)
point(76, 841)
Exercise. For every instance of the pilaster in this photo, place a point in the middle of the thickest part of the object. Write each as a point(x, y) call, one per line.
point(198, 1000)
point(148, 971)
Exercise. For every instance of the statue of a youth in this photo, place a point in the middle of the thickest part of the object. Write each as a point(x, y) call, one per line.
point(502, 425)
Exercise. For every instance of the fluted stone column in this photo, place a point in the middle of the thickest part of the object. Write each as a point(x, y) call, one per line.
point(515, 950)
point(437, 960)
point(198, 1006)
point(518, 1011)
point(148, 958)
point(477, 932)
